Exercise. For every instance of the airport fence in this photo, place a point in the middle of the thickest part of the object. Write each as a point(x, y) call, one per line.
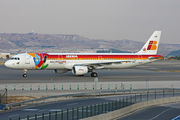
point(3, 99)
point(3, 96)
point(125, 100)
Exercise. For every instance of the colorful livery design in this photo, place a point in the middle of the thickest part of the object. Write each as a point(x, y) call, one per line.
point(82, 63)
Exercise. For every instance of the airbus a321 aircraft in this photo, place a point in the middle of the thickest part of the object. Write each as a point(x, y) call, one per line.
point(82, 63)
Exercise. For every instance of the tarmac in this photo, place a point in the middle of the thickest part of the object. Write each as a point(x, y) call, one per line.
point(161, 74)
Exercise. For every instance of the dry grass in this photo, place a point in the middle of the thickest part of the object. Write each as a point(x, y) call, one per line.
point(14, 99)
point(2, 63)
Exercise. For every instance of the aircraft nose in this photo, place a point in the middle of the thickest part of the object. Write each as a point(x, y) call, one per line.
point(7, 64)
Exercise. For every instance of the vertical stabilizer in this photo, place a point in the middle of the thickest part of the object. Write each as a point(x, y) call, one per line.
point(151, 45)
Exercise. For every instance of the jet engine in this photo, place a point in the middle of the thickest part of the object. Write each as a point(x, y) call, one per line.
point(60, 71)
point(79, 70)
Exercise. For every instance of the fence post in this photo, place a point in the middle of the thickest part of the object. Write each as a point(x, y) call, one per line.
point(91, 110)
point(35, 117)
point(116, 104)
point(105, 108)
point(123, 102)
point(85, 86)
point(56, 116)
point(163, 93)
point(38, 87)
point(77, 112)
point(102, 109)
point(43, 116)
point(72, 113)
point(86, 111)
point(95, 109)
point(82, 111)
point(112, 106)
point(147, 95)
point(67, 114)
point(28, 117)
point(46, 87)
point(49, 115)
point(98, 109)
point(62, 114)
point(109, 107)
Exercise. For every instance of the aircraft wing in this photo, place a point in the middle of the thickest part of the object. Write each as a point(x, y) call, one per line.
point(102, 63)
point(152, 58)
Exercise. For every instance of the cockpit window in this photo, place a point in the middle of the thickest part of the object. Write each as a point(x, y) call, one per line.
point(15, 58)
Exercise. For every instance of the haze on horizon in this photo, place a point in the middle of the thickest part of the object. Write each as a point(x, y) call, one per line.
point(95, 19)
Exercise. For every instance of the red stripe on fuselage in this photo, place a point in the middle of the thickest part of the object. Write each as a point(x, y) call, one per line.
point(94, 56)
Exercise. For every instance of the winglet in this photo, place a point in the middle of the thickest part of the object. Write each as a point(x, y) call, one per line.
point(151, 45)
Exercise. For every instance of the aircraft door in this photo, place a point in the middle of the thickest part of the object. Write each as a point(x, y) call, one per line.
point(27, 59)
point(140, 59)
point(100, 59)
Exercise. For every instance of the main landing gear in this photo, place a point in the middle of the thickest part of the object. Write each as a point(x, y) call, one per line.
point(94, 74)
point(25, 71)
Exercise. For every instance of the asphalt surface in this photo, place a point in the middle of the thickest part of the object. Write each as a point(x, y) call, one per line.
point(157, 71)
point(24, 111)
point(162, 112)
point(45, 108)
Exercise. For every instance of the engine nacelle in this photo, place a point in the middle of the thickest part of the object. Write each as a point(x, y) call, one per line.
point(60, 71)
point(79, 70)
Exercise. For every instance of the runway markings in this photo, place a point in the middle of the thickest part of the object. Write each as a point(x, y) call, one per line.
point(29, 110)
point(14, 115)
point(72, 104)
point(42, 110)
point(160, 113)
point(53, 110)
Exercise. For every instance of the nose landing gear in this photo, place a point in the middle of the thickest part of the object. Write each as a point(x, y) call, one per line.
point(25, 71)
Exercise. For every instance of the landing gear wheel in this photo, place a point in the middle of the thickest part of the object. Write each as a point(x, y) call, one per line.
point(25, 71)
point(24, 75)
point(94, 74)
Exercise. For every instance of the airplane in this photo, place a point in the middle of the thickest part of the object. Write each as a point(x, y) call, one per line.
point(83, 63)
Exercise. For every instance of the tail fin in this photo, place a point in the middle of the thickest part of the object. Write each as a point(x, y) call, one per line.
point(151, 45)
